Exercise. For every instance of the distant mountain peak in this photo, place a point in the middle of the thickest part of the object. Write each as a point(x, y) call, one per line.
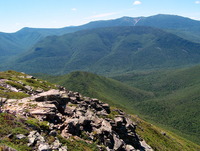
point(133, 20)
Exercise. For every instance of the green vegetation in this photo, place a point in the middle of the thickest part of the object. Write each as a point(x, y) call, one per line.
point(160, 139)
point(108, 90)
point(110, 50)
point(153, 105)
point(177, 102)
point(112, 114)
point(16, 43)
point(19, 81)
point(9, 124)
point(78, 145)
point(181, 26)
point(13, 95)
point(172, 102)
point(16, 85)
point(36, 124)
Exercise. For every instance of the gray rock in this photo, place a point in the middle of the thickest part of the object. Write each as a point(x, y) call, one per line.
point(72, 127)
point(40, 138)
point(39, 90)
point(69, 110)
point(31, 141)
point(13, 89)
point(106, 107)
point(47, 105)
point(102, 113)
point(44, 147)
point(118, 144)
point(64, 97)
point(56, 145)
point(29, 88)
point(145, 146)
point(34, 137)
point(29, 77)
point(20, 136)
point(119, 121)
point(43, 111)
point(105, 126)
point(129, 148)
point(73, 100)
point(63, 148)
point(10, 136)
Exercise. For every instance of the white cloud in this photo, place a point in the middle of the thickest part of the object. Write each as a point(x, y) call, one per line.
point(137, 2)
point(74, 9)
point(102, 15)
point(197, 2)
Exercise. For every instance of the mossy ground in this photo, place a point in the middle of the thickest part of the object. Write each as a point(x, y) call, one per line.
point(19, 81)
point(12, 125)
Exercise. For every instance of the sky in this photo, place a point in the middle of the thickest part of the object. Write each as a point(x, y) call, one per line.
point(16, 14)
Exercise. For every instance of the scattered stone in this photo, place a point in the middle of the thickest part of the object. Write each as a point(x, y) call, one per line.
point(145, 146)
point(44, 147)
point(118, 144)
point(35, 138)
point(163, 133)
point(56, 145)
point(10, 136)
point(20, 136)
point(28, 76)
point(39, 90)
point(29, 88)
point(63, 148)
point(129, 148)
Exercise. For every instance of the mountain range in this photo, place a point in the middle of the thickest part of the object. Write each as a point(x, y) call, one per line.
point(108, 50)
point(20, 43)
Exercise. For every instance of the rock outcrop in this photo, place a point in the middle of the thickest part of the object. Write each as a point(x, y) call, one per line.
point(76, 116)
point(52, 115)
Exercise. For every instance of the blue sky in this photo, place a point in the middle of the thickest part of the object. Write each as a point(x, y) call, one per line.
point(16, 14)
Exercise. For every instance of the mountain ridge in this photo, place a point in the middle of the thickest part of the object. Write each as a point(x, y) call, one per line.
point(109, 50)
point(23, 38)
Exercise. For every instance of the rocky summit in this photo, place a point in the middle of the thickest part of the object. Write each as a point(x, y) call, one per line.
point(47, 120)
